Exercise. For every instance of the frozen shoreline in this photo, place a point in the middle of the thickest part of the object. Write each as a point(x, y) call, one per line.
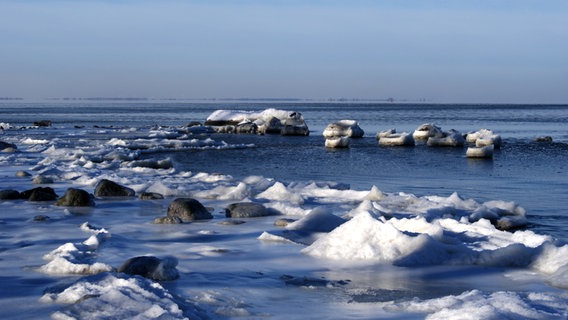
point(227, 272)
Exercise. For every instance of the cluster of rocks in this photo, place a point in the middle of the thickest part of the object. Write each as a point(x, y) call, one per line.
point(180, 210)
point(270, 121)
point(480, 143)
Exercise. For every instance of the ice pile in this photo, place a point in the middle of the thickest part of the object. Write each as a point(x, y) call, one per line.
point(269, 121)
point(77, 258)
point(117, 296)
point(479, 305)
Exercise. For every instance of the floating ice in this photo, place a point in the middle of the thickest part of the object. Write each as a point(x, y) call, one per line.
point(343, 128)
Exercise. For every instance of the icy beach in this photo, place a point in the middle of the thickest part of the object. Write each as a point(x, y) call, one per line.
point(316, 247)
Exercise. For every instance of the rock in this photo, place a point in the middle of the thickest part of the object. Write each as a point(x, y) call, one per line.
point(337, 142)
point(5, 146)
point(40, 218)
point(43, 123)
point(9, 195)
point(168, 220)
point(543, 139)
point(451, 138)
point(283, 222)
point(150, 196)
point(272, 126)
point(22, 174)
point(76, 198)
point(107, 188)
point(230, 222)
point(193, 124)
point(42, 180)
point(396, 139)
point(39, 194)
point(246, 210)
point(293, 130)
point(246, 127)
point(188, 209)
point(427, 130)
point(343, 128)
point(151, 267)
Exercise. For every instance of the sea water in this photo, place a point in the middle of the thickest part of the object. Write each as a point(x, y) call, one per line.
point(227, 272)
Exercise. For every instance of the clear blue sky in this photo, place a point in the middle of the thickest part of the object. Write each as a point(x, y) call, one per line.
point(445, 51)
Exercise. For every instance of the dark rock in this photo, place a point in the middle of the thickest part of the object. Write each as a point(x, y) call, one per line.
point(283, 222)
point(41, 218)
point(167, 220)
point(150, 196)
point(76, 198)
point(246, 210)
point(291, 130)
point(246, 127)
point(107, 188)
point(22, 174)
point(273, 126)
point(7, 146)
point(151, 267)
point(230, 222)
point(9, 195)
point(193, 124)
point(42, 180)
point(39, 194)
point(543, 139)
point(43, 123)
point(188, 209)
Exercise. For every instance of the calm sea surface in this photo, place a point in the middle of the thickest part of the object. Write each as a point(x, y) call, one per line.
point(532, 174)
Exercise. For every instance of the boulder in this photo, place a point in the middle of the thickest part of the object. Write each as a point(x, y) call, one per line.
point(451, 138)
point(76, 198)
point(543, 139)
point(107, 188)
point(39, 179)
point(22, 174)
point(43, 123)
point(246, 210)
point(168, 220)
point(343, 128)
point(272, 126)
point(283, 222)
point(188, 209)
point(427, 130)
point(150, 196)
point(9, 195)
point(246, 127)
point(193, 124)
point(39, 194)
point(40, 218)
point(151, 267)
point(7, 146)
point(337, 142)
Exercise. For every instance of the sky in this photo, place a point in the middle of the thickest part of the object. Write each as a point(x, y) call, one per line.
point(482, 51)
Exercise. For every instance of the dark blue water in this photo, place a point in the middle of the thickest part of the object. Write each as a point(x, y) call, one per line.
point(532, 174)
